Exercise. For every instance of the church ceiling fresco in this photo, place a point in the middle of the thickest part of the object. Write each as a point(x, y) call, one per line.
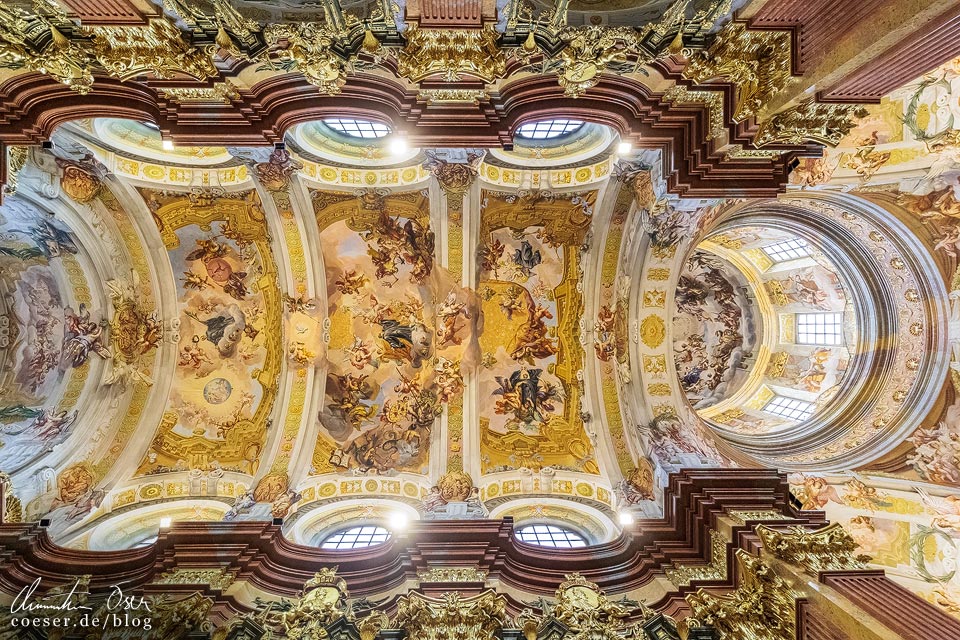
point(532, 305)
point(230, 347)
point(396, 332)
point(49, 332)
point(717, 326)
point(428, 334)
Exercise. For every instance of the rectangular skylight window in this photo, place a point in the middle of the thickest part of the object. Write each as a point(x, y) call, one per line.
point(820, 328)
point(789, 408)
point(787, 250)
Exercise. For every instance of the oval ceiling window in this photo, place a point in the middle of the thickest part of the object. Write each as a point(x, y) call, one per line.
point(549, 129)
point(358, 128)
point(356, 538)
point(548, 535)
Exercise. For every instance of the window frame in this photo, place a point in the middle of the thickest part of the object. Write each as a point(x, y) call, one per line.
point(550, 129)
point(378, 531)
point(574, 539)
point(790, 412)
point(819, 337)
point(355, 128)
point(787, 250)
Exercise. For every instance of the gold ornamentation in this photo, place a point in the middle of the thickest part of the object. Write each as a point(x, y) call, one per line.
point(309, 49)
point(370, 626)
point(725, 417)
point(653, 330)
point(588, 613)
point(682, 575)
point(448, 96)
point(778, 363)
point(80, 180)
point(655, 298)
point(220, 92)
point(738, 152)
point(655, 365)
point(478, 617)
point(742, 517)
point(757, 62)
point(455, 178)
point(323, 600)
point(830, 548)
point(176, 618)
point(451, 53)
point(455, 486)
point(12, 507)
point(218, 578)
point(60, 58)
point(658, 273)
point(134, 332)
point(659, 389)
point(16, 160)
point(809, 121)
point(763, 607)
point(589, 50)
point(713, 100)
point(453, 574)
point(158, 47)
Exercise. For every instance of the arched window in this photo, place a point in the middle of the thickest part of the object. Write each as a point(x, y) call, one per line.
point(356, 538)
point(547, 129)
point(357, 128)
point(549, 535)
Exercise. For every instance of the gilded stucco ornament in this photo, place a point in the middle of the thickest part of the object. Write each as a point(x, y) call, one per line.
point(757, 62)
point(452, 53)
point(763, 607)
point(478, 617)
point(39, 42)
point(589, 50)
point(583, 608)
point(159, 47)
point(824, 123)
point(12, 510)
point(455, 178)
point(323, 600)
point(31, 41)
point(16, 160)
point(830, 548)
point(455, 486)
point(134, 332)
point(308, 48)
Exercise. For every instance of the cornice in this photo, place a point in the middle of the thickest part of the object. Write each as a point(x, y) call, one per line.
point(259, 553)
point(32, 106)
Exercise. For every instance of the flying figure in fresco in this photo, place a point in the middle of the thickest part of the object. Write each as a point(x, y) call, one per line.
point(224, 329)
point(405, 342)
point(347, 391)
point(524, 395)
point(52, 241)
point(448, 312)
point(532, 342)
point(351, 282)
point(527, 258)
point(82, 336)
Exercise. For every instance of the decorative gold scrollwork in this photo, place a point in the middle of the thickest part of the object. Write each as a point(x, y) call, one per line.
point(452, 617)
point(763, 607)
point(830, 548)
point(809, 121)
